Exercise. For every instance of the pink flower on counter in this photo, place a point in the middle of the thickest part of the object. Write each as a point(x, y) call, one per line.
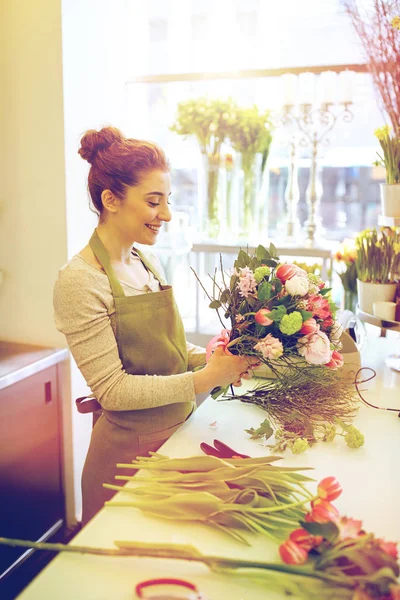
point(349, 528)
point(310, 326)
point(336, 362)
point(323, 512)
point(389, 547)
point(297, 286)
point(292, 554)
point(247, 283)
point(287, 271)
point(305, 539)
point(315, 348)
point(270, 347)
point(261, 317)
point(221, 340)
point(319, 306)
point(329, 489)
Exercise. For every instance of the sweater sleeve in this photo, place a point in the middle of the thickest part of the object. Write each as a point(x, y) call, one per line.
point(82, 316)
point(196, 356)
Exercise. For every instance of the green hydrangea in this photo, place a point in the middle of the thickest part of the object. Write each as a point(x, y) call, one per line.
point(354, 438)
point(330, 432)
point(300, 445)
point(291, 323)
point(261, 272)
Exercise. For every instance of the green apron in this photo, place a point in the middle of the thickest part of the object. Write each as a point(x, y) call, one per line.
point(151, 341)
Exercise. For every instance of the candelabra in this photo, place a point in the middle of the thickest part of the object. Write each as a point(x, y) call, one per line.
point(314, 124)
point(292, 194)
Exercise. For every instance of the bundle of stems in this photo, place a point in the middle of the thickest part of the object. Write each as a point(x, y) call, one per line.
point(228, 494)
point(377, 255)
point(302, 401)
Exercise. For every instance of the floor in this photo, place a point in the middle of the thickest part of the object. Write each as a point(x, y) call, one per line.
point(13, 584)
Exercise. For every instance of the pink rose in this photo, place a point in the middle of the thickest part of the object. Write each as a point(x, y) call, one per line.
point(287, 271)
point(336, 361)
point(222, 340)
point(319, 306)
point(261, 317)
point(310, 326)
point(389, 547)
point(270, 347)
point(315, 348)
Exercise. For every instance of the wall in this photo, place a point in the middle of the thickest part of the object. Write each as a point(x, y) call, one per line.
point(62, 68)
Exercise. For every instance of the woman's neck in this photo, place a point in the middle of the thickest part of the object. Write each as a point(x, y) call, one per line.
point(118, 248)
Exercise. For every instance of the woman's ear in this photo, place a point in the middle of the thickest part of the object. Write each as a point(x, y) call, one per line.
point(110, 201)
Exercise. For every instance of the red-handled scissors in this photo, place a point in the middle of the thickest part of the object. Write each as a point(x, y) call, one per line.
point(221, 450)
point(192, 591)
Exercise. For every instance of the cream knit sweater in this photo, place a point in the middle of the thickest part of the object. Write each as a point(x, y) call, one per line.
point(84, 312)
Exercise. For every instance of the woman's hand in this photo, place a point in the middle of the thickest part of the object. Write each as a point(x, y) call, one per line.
point(224, 369)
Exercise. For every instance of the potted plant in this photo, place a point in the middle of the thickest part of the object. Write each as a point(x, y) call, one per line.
point(377, 264)
point(390, 191)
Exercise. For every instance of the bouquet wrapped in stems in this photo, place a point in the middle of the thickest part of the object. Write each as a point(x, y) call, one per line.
point(286, 318)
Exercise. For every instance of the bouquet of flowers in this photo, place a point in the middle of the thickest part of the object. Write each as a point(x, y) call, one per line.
point(286, 318)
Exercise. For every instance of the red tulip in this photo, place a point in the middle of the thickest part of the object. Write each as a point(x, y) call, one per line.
point(305, 540)
point(336, 362)
point(287, 271)
point(261, 317)
point(292, 554)
point(329, 489)
point(323, 512)
point(309, 327)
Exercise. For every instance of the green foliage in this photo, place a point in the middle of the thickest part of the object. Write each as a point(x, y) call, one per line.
point(390, 145)
point(378, 255)
point(263, 431)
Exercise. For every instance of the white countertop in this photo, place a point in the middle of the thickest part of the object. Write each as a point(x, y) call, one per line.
point(370, 477)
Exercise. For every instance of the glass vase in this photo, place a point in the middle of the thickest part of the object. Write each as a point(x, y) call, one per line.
point(210, 225)
point(251, 175)
point(350, 300)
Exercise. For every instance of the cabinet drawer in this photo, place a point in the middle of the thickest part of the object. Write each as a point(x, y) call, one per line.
point(30, 460)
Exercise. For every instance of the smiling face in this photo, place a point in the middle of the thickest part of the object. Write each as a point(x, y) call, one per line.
point(145, 207)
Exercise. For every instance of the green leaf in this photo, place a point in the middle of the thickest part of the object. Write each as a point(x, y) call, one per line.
point(262, 253)
point(243, 259)
point(306, 314)
point(277, 284)
point(329, 531)
point(265, 430)
point(225, 296)
point(277, 313)
point(273, 251)
point(254, 263)
point(215, 304)
point(264, 292)
point(251, 301)
point(269, 262)
point(218, 391)
point(325, 291)
point(233, 282)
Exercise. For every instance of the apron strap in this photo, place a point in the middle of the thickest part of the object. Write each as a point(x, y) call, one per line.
point(87, 404)
point(102, 256)
point(149, 266)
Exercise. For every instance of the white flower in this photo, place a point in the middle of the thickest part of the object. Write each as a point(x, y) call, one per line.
point(297, 286)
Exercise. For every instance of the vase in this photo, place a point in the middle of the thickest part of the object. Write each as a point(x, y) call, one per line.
point(350, 300)
point(209, 198)
point(368, 293)
point(251, 210)
point(390, 199)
